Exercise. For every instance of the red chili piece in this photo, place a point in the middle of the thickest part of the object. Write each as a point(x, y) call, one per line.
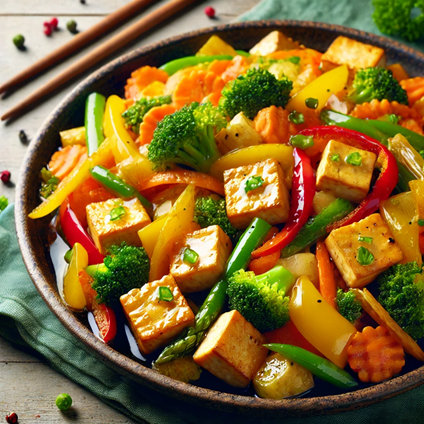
point(302, 195)
point(386, 181)
point(75, 233)
point(5, 176)
point(210, 12)
point(54, 23)
point(12, 418)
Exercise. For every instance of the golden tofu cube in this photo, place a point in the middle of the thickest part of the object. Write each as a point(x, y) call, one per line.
point(232, 350)
point(155, 323)
point(345, 171)
point(373, 234)
point(269, 201)
point(354, 54)
point(106, 233)
point(213, 247)
point(273, 42)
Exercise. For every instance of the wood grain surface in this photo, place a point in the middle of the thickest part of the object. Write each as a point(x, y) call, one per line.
point(28, 385)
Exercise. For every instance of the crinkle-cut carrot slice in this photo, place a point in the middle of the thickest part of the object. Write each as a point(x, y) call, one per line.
point(219, 66)
point(238, 65)
point(413, 125)
point(150, 122)
point(214, 97)
point(378, 108)
point(414, 88)
point(64, 161)
point(141, 78)
point(272, 123)
point(196, 85)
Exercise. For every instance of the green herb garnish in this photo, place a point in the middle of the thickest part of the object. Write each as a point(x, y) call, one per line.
point(117, 213)
point(311, 103)
point(165, 294)
point(365, 257)
point(335, 157)
point(301, 141)
point(365, 239)
point(190, 256)
point(297, 118)
point(354, 159)
point(252, 183)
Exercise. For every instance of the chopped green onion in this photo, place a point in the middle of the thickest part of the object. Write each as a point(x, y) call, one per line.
point(354, 159)
point(165, 294)
point(190, 256)
point(365, 257)
point(294, 59)
point(117, 213)
point(301, 141)
point(311, 103)
point(297, 118)
point(252, 183)
point(365, 239)
point(421, 222)
point(335, 157)
point(393, 118)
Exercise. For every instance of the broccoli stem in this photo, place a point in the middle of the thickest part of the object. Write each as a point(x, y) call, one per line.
point(280, 276)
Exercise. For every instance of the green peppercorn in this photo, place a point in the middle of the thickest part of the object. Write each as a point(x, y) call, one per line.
point(71, 26)
point(63, 401)
point(19, 41)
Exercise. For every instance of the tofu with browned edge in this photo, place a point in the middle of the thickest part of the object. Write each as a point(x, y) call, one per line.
point(232, 350)
point(269, 201)
point(372, 234)
point(213, 247)
point(155, 323)
point(106, 232)
point(273, 42)
point(341, 173)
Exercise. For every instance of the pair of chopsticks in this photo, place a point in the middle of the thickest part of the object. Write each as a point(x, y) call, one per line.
point(105, 49)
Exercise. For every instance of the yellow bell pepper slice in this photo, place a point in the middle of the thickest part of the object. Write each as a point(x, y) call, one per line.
point(253, 154)
point(319, 322)
point(320, 89)
point(400, 214)
point(216, 46)
point(72, 290)
point(73, 136)
point(76, 177)
point(417, 189)
point(150, 233)
point(178, 222)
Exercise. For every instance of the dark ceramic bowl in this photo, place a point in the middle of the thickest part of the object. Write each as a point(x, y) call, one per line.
point(110, 79)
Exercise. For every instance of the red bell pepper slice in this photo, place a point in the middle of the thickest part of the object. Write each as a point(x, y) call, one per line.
point(75, 232)
point(302, 195)
point(104, 316)
point(386, 181)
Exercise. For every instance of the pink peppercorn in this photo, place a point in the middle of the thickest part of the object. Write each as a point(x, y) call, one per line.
point(210, 12)
point(47, 28)
point(54, 23)
point(5, 176)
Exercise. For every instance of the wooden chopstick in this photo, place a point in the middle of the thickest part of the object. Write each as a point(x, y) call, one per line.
point(116, 42)
point(76, 42)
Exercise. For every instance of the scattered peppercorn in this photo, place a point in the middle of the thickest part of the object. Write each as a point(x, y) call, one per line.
point(54, 22)
point(3, 203)
point(12, 418)
point(63, 401)
point(23, 137)
point(82, 1)
point(47, 28)
point(5, 176)
point(210, 12)
point(19, 41)
point(72, 26)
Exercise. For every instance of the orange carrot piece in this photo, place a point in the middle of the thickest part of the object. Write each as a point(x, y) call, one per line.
point(375, 355)
point(219, 66)
point(272, 123)
point(150, 122)
point(265, 263)
point(378, 108)
point(413, 125)
point(327, 283)
point(141, 78)
point(214, 97)
point(65, 160)
point(398, 71)
point(414, 88)
point(238, 65)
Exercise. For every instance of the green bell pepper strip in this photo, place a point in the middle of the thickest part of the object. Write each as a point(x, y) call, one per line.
point(184, 62)
point(315, 228)
point(211, 307)
point(119, 187)
point(317, 365)
point(94, 112)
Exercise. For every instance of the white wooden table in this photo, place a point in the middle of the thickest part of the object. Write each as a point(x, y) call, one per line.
point(28, 385)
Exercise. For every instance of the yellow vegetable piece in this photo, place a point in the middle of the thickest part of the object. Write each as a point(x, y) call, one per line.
point(398, 71)
point(72, 290)
point(400, 214)
point(417, 189)
point(73, 136)
point(320, 89)
point(320, 323)
point(178, 222)
point(150, 233)
point(156, 88)
point(253, 154)
point(76, 177)
point(216, 46)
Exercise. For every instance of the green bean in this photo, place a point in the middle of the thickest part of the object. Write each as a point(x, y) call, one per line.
point(94, 111)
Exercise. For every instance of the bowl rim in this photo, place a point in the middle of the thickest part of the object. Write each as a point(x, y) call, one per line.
point(144, 375)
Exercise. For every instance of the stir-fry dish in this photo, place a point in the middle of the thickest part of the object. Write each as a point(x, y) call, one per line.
point(255, 218)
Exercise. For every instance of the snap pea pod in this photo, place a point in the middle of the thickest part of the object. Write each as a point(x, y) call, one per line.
point(94, 111)
point(317, 365)
point(211, 307)
point(116, 185)
point(184, 62)
point(315, 228)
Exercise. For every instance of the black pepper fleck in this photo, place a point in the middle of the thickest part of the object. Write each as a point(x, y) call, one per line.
point(391, 240)
point(319, 301)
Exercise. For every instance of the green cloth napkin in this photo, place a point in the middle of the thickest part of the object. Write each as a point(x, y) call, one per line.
point(26, 320)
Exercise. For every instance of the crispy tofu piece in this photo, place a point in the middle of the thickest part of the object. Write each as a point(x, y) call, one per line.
point(232, 350)
point(273, 42)
point(213, 247)
point(354, 54)
point(269, 202)
point(345, 180)
point(344, 243)
point(155, 323)
point(106, 233)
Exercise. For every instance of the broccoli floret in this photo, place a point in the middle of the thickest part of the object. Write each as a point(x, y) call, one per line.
point(261, 299)
point(126, 268)
point(49, 183)
point(402, 295)
point(348, 305)
point(187, 137)
point(212, 211)
point(396, 17)
point(134, 115)
point(255, 90)
point(377, 83)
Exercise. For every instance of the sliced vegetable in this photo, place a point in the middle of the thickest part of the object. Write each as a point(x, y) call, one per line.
point(94, 112)
point(327, 283)
point(73, 136)
point(184, 62)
